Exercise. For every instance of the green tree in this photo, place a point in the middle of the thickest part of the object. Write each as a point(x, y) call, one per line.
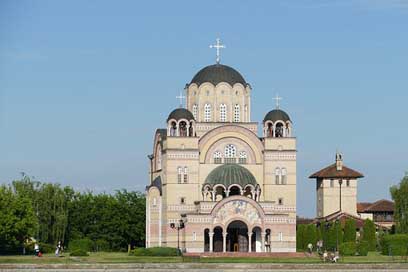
point(399, 195)
point(369, 234)
point(17, 220)
point(350, 231)
point(310, 235)
point(300, 235)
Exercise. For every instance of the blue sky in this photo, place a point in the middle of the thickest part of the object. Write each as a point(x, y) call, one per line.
point(84, 84)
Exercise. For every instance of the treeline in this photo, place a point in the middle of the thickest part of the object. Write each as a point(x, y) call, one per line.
point(48, 213)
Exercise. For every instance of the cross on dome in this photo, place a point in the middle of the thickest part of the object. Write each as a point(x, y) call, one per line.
point(181, 97)
point(277, 98)
point(218, 46)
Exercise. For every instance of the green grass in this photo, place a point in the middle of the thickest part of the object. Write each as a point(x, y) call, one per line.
point(114, 257)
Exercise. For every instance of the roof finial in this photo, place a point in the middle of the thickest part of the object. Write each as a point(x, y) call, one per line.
point(218, 46)
point(277, 98)
point(339, 160)
point(181, 97)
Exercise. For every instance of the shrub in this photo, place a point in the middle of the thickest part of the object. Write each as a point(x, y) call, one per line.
point(348, 249)
point(154, 251)
point(79, 252)
point(362, 248)
point(47, 248)
point(395, 245)
point(102, 245)
point(85, 244)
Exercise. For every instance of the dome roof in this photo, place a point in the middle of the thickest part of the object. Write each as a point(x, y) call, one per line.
point(276, 115)
point(181, 113)
point(228, 174)
point(218, 73)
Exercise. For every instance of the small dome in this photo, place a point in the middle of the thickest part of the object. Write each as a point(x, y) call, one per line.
point(228, 174)
point(218, 73)
point(181, 113)
point(276, 115)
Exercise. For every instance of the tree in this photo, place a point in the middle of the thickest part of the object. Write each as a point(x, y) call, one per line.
point(300, 233)
point(17, 220)
point(350, 231)
point(399, 195)
point(369, 234)
point(310, 235)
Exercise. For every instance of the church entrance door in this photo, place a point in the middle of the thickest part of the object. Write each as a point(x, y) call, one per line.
point(237, 239)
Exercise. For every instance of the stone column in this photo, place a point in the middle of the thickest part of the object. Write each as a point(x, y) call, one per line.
point(213, 195)
point(250, 241)
point(263, 249)
point(227, 193)
point(224, 241)
point(211, 241)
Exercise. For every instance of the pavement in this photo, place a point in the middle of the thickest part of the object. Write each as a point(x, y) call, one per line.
point(201, 267)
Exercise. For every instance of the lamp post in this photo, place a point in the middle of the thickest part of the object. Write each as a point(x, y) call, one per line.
point(178, 227)
point(337, 235)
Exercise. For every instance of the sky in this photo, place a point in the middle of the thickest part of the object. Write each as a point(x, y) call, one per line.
point(85, 84)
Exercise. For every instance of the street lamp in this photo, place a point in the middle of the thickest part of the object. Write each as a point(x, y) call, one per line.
point(178, 227)
point(337, 235)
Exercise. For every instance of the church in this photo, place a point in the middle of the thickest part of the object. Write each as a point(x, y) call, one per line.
point(216, 185)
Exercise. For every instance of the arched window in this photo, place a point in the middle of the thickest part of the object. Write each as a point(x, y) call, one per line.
point(173, 129)
point(242, 157)
point(183, 129)
point(158, 158)
point(284, 178)
point(179, 174)
point(207, 113)
point(277, 175)
point(237, 117)
point(230, 153)
point(195, 111)
point(223, 113)
point(279, 130)
point(185, 174)
point(217, 157)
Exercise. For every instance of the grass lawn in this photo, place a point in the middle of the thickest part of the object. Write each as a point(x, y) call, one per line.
point(114, 257)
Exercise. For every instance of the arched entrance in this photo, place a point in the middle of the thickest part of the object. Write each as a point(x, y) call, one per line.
point(218, 246)
point(237, 238)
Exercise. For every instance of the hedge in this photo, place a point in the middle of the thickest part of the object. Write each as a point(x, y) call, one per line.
point(83, 244)
point(363, 248)
point(348, 249)
point(79, 252)
point(154, 251)
point(395, 245)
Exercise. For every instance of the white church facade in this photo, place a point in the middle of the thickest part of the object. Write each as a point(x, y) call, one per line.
point(215, 184)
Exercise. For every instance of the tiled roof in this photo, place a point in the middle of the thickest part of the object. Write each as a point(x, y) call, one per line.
point(382, 205)
point(332, 172)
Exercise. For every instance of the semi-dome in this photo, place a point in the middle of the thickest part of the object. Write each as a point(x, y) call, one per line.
point(181, 113)
point(218, 73)
point(228, 174)
point(276, 115)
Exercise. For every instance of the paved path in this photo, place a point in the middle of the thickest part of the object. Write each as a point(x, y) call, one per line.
point(201, 267)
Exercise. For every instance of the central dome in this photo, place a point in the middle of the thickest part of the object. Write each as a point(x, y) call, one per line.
point(228, 174)
point(218, 73)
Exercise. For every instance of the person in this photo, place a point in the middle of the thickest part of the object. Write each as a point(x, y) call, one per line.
point(58, 250)
point(36, 249)
point(310, 248)
point(325, 255)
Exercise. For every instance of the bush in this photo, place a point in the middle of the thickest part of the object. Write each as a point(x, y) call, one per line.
point(350, 231)
point(310, 235)
point(47, 248)
point(300, 235)
point(85, 244)
point(79, 252)
point(102, 245)
point(348, 249)
point(362, 248)
point(395, 245)
point(154, 251)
